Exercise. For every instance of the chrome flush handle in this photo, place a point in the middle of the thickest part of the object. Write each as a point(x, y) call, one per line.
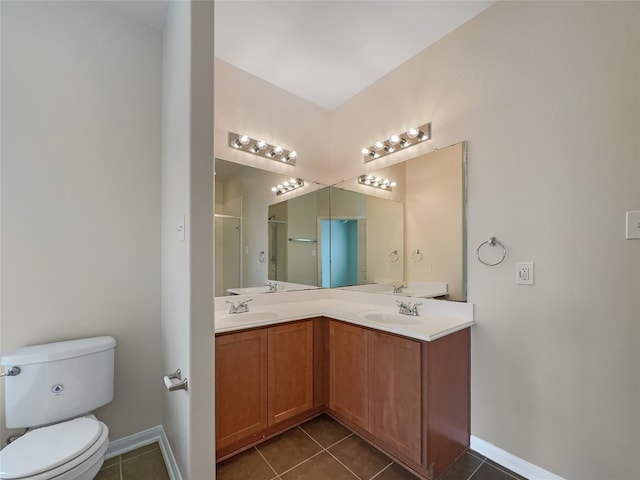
point(12, 372)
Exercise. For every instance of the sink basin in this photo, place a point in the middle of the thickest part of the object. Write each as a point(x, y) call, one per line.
point(389, 318)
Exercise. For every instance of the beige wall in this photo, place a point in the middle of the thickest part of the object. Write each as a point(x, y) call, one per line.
point(80, 159)
point(247, 104)
point(547, 95)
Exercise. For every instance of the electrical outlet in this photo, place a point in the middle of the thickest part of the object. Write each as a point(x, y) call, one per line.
point(524, 273)
point(427, 268)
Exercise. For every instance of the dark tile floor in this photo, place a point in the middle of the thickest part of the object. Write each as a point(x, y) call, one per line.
point(322, 449)
point(144, 463)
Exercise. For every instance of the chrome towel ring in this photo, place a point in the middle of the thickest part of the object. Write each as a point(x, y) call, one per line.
point(394, 256)
point(492, 242)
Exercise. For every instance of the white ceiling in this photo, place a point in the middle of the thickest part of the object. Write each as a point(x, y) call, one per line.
point(325, 51)
point(328, 51)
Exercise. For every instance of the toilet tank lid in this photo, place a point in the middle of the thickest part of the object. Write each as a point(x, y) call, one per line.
point(49, 352)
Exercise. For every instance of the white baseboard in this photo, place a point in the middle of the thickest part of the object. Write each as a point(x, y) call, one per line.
point(513, 463)
point(146, 437)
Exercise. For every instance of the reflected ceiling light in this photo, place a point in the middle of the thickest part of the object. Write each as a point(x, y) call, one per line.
point(377, 182)
point(288, 186)
point(262, 148)
point(412, 136)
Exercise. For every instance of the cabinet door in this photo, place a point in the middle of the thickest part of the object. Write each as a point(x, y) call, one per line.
point(290, 370)
point(348, 395)
point(241, 385)
point(395, 414)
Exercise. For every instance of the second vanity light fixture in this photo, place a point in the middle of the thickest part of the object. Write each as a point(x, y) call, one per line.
point(262, 148)
point(288, 186)
point(378, 182)
point(411, 137)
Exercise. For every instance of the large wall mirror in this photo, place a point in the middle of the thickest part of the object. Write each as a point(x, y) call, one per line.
point(351, 235)
point(413, 231)
point(256, 231)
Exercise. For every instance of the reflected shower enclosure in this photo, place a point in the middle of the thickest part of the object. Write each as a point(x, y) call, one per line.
point(228, 240)
point(277, 249)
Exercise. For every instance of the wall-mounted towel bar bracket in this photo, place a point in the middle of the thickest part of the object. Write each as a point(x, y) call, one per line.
point(174, 381)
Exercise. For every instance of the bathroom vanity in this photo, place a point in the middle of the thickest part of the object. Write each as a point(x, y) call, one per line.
point(400, 382)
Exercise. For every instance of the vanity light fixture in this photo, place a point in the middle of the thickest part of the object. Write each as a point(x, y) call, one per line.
point(377, 182)
point(288, 186)
point(262, 148)
point(397, 142)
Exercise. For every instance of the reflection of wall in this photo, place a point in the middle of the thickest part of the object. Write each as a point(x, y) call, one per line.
point(384, 234)
point(302, 259)
point(435, 219)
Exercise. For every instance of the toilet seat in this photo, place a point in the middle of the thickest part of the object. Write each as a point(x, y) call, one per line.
point(51, 451)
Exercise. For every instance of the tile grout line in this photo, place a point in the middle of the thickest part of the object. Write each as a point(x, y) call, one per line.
point(267, 462)
point(477, 468)
point(497, 466)
point(380, 472)
point(326, 449)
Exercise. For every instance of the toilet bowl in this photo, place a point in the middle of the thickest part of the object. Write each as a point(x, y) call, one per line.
point(50, 390)
point(71, 450)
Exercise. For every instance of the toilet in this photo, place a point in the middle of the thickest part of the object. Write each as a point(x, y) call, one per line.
point(52, 393)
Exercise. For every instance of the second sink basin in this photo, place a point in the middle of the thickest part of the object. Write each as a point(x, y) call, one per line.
point(389, 318)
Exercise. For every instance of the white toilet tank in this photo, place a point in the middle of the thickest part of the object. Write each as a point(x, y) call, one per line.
point(58, 381)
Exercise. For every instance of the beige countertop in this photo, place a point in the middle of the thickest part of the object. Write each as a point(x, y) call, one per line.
point(436, 318)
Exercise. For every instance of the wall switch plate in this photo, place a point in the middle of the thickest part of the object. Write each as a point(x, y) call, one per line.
point(524, 273)
point(633, 225)
point(427, 268)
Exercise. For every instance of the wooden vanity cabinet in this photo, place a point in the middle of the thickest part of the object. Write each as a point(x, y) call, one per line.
point(264, 381)
point(395, 407)
point(413, 401)
point(241, 385)
point(348, 373)
point(290, 376)
point(407, 397)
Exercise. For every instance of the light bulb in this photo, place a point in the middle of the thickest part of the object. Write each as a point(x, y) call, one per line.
point(261, 144)
point(274, 189)
point(392, 184)
point(379, 145)
point(365, 151)
point(244, 139)
point(278, 150)
point(394, 140)
point(413, 132)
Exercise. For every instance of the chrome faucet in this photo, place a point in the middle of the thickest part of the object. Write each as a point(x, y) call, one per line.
point(242, 307)
point(273, 286)
point(407, 308)
point(398, 286)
